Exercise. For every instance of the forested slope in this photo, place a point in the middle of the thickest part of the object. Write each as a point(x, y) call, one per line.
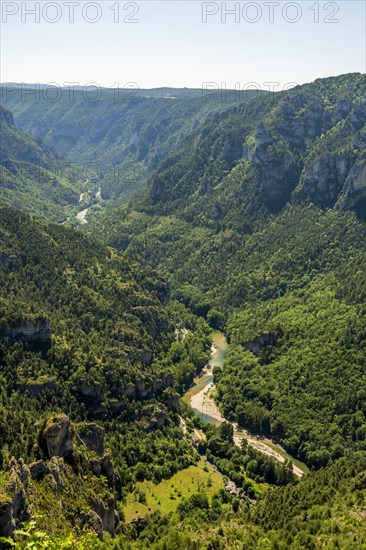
point(87, 332)
point(261, 211)
point(90, 366)
point(122, 134)
point(32, 177)
point(325, 510)
point(256, 221)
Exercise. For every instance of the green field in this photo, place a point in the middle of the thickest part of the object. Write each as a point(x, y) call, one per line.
point(166, 495)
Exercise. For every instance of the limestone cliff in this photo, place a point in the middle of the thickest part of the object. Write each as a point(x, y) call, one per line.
point(73, 476)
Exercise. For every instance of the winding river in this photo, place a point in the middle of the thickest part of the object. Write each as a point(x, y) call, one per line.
point(201, 400)
point(81, 216)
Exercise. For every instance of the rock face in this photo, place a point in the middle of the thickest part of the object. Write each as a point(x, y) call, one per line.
point(13, 508)
point(263, 138)
point(296, 129)
point(38, 331)
point(353, 195)
point(38, 386)
point(322, 180)
point(91, 393)
point(257, 345)
point(38, 469)
point(286, 167)
point(107, 468)
point(56, 437)
point(54, 469)
point(66, 463)
point(92, 436)
point(232, 148)
point(153, 417)
point(173, 401)
point(106, 510)
point(277, 171)
point(357, 116)
point(103, 516)
point(359, 140)
point(142, 388)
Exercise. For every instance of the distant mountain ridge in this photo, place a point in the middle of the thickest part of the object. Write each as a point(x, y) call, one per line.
point(304, 145)
point(123, 133)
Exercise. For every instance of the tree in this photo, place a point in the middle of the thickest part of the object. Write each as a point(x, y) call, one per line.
point(226, 432)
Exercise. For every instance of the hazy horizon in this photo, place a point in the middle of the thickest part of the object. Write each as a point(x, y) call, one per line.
point(156, 43)
point(163, 86)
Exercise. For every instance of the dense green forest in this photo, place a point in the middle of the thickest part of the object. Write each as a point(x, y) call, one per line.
point(253, 223)
point(82, 327)
point(252, 214)
point(295, 370)
point(119, 133)
point(88, 331)
point(326, 510)
point(33, 178)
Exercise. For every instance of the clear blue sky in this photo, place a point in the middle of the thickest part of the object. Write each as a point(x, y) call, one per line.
point(170, 45)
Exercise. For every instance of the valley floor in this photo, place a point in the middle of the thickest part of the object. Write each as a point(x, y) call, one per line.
point(201, 399)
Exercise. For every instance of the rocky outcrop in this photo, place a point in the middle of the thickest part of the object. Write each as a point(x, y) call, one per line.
point(278, 146)
point(260, 342)
point(68, 461)
point(263, 138)
point(107, 468)
point(91, 520)
point(353, 195)
point(35, 387)
point(152, 417)
point(103, 516)
point(343, 108)
point(90, 392)
point(92, 436)
point(276, 168)
point(122, 391)
point(232, 149)
point(54, 470)
point(357, 116)
point(56, 437)
point(323, 179)
point(359, 140)
point(300, 118)
point(146, 388)
point(172, 400)
point(13, 505)
point(38, 470)
point(106, 511)
point(38, 331)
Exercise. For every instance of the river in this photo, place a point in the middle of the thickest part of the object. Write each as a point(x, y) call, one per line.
point(201, 400)
point(81, 216)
